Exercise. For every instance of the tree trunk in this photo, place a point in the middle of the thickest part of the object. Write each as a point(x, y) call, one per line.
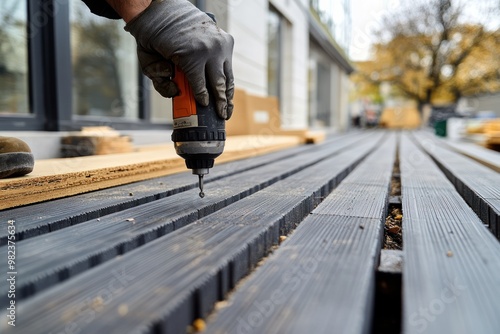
point(420, 107)
point(428, 95)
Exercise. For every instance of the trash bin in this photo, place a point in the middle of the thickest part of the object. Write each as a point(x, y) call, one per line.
point(440, 128)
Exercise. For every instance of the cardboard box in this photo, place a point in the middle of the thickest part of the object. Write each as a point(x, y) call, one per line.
point(260, 115)
point(254, 115)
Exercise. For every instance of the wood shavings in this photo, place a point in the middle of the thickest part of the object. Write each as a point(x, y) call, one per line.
point(97, 303)
point(199, 325)
point(123, 310)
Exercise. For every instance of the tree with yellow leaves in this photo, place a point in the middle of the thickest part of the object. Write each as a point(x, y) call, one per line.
point(437, 51)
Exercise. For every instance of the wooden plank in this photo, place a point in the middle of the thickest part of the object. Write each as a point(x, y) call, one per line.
point(50, 216)
point(478, 185)
point(163, 285)
point(128, 229)
point(451, 270)
point(56, 178)
point(487, 157)
point(321, 279)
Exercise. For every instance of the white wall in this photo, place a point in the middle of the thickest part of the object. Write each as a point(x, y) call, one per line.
point(247, 22)
point(483, 103)
point(344, 120)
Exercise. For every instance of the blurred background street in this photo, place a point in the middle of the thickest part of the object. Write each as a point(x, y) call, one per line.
point(318, 64)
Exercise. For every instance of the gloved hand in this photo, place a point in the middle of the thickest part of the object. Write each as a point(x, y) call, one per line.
point(176, 30)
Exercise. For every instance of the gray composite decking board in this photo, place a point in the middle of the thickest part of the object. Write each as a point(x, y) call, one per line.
point(470, 171)
point(321, 279)
point(451, 271)
point(90, 243)
point(485, 156)
point(50, 216)
point(478, 185)
point(181, 275)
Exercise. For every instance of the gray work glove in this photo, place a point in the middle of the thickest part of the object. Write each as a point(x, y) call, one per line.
point(178, 31)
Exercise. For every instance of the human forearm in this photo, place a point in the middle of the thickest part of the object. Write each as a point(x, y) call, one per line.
point(128, 9)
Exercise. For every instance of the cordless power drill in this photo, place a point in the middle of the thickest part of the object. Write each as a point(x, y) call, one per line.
point(199, 133)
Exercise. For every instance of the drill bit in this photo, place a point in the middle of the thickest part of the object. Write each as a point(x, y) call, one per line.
point(200, 172)
point(200, 183)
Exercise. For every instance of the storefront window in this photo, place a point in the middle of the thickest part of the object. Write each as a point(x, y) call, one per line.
point(105, 70)
point(14, 94)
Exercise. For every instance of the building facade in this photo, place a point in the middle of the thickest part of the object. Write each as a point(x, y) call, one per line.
point(62, 68)
point(296, 56)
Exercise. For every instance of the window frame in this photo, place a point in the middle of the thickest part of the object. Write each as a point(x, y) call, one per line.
point(50, 78)
point(279, 69)
point(34, 119)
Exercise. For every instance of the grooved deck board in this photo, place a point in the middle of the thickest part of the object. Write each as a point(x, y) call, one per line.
point(98, 240)
point(150, 257)
point(321, 279)
point(168, 282)
point(50, 216)
point(483, 155)
point(451, 271)
point(478, 185)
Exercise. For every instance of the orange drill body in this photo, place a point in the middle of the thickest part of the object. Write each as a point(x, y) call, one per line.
point(199, 133)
